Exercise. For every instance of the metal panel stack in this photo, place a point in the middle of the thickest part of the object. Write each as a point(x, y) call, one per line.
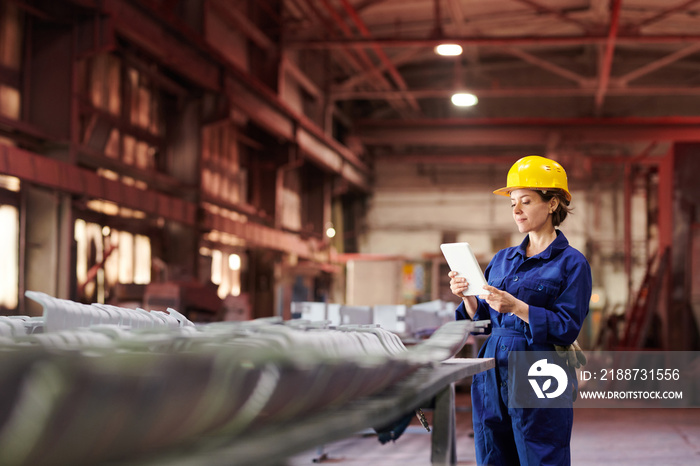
point(103, 384)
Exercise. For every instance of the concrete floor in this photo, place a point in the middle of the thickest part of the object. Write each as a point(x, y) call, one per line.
point(600, 437)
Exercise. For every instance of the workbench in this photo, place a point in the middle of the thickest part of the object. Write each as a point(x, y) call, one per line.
point(271, 445)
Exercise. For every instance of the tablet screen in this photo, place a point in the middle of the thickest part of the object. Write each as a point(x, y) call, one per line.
point(461, 259)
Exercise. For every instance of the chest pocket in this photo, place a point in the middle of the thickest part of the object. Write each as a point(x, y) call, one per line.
point(538, 293)
point(497, 282)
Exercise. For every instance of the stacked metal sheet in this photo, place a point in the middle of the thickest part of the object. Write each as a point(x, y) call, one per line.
point(96, 384)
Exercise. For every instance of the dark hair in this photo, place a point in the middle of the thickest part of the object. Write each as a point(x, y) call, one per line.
point(563, 208)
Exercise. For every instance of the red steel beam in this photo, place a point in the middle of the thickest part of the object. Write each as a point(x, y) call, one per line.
point(177, 53)
point(664, 14)
point(527, 131)
point(606, 65)
point(68, 178)
point(508, 121)
point(352, 62)
point(357, 60)
point(92, 272)
point(449, 159)
point(389, 42)
point(65, 177)
point(256, 234)
point(660, 63)
point(33, 10)
point(367, 63)
point(347, 32)
point(516, 92)
point(380, 52)
point(557, 13)
point(524, 136)
point(406, 56)
point(582, 81)
point(10, 125)
point(237, 19)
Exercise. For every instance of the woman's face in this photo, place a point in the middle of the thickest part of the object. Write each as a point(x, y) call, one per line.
point(530, 211)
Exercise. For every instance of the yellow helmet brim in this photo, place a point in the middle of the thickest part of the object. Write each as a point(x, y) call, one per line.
point(505, 191)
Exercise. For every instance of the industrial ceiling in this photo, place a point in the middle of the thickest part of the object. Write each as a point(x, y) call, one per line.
point(592, 83)
point(600, 80)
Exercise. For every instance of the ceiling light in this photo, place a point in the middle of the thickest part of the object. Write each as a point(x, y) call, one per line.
point(234, 262)
point(464, 99)
point(448, 50)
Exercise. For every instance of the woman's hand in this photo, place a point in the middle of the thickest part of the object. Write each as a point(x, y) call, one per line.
point(457, 284)
point(504, 303)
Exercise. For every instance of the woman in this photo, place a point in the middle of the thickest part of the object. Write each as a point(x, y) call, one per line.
point(538, 298)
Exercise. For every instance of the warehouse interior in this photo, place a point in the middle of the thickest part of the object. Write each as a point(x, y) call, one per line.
point(251, 159)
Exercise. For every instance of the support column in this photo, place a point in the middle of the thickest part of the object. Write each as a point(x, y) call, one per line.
point(666, 200)
point(48, 240)
point(665, 225)
point(49, 100)
point(685, 162)
point(181, 245)
point(444, 449)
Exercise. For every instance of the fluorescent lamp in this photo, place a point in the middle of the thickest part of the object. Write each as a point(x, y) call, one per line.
point(464, 99)
point(448, 50)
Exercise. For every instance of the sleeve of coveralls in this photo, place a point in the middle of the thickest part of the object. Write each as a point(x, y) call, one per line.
point(562, 324)
point(482, 311)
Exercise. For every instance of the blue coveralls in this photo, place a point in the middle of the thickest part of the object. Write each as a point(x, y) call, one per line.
point(556, 284)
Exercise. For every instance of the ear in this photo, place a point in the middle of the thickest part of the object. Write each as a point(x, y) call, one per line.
point(553, 204)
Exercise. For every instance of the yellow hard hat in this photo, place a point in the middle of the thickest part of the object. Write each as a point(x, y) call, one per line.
point(535, 172)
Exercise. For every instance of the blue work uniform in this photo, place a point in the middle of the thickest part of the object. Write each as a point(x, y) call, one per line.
point(556, 284)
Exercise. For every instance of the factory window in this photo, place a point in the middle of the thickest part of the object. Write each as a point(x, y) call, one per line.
point(11, 19)
point(9, 183)
point(9, 251)
point(222, 177)
point(104, 87)
point(9, 102)
point(225, 271)
point(122, 115)
point(106, 257)
point(144, 103)
point(110, 208)
point(291, 200)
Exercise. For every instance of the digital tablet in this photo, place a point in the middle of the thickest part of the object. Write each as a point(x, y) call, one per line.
point(461, 259)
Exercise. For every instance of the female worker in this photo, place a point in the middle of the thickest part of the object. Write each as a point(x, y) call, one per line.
point(539, 295)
